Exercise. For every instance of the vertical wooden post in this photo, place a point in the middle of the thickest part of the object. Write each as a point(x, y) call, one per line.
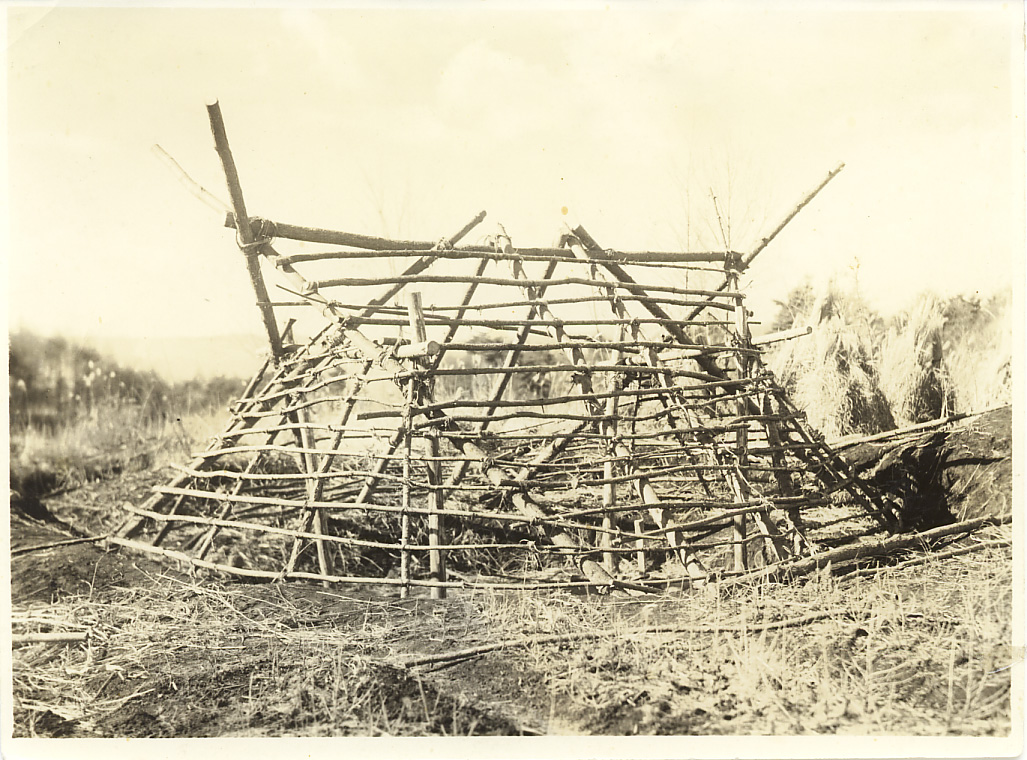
point(243, 229)
point(609, 470)
point(609, 503)
point(317, 516)
point(784, 478)
point(404, 518)
point(640, 547)
point(436, 529)
point(739, 481)
point(415, 316)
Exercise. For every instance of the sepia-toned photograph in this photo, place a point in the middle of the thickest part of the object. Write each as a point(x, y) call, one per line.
point(641, 378)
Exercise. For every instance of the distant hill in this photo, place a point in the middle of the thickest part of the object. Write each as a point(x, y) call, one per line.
point(186, 358)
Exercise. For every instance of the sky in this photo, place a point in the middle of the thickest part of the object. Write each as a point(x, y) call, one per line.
point(408, 121)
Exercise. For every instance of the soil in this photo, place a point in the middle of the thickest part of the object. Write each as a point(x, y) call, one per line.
point(941, 476)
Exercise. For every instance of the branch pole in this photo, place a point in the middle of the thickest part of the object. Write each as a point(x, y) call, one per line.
point(411, 247)
point(748, 258)
point(586, 248)
point(739, 481)
point(609, 486)
point(247, 239)
point(436, 528)
point(404, 517)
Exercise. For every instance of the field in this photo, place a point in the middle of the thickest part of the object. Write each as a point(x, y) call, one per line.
point(921, 648)
point(917, 643)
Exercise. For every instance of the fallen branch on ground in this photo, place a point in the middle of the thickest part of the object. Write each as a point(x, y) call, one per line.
point(924, 559)
point(55, 544)
point(40, 638)
point(877, 548)
point(463, 654)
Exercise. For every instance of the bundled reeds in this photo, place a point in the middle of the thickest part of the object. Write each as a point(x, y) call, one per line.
point(978, 341)
point(832, 374)
point(913, 376)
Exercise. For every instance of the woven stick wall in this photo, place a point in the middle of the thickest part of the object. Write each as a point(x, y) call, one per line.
point(620, 430)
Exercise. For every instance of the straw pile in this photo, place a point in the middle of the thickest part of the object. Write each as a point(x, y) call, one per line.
point(913, 376)
point(831, 374)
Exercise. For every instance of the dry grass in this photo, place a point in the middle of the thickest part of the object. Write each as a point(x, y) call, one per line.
point(978, 353)
point(832, 374)
point(920, 650)
point(888, 663)
point(177, 658)
point(111, 441)
point(911, 367)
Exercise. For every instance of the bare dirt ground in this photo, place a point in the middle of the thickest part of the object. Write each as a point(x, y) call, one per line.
point(916, 645)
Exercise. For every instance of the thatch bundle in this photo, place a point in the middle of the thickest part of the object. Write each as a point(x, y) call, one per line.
point(912, 373)
point(831, 374)
point(978, 345)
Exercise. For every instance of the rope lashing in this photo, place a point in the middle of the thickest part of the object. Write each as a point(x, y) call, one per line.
point(263, 234)
point(733, 261)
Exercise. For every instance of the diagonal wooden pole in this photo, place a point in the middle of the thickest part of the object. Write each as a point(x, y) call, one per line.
point(644, 488)
point(247, 240)
point(371, 482)
point(313, 519)
point(748, 258)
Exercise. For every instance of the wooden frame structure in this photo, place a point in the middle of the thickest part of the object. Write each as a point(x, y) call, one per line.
point(651, 442)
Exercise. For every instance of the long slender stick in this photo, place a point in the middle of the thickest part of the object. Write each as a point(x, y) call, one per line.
point(880, 547)
point(629, 284)
point(313, 520)
point(404, 517)
point(56, 544)
point(748, 258)
point(739, 482)
point(371, 243)
point(659, 513)
point(245, 231)
point(609, 488)
point(18, 639)
point(850, 441)
point(190, 184)
point(436, 528)
point(312, 466)
point(463, 654)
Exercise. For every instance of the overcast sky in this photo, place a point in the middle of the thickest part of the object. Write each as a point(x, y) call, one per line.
point(408, 122)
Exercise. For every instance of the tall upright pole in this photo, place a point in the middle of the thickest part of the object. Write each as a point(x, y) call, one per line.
point(247, 240)
point(739, 479)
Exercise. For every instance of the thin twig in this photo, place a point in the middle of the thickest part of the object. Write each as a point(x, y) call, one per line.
point(69, 542)
point(462, 654)
point(924, 559)
point(69, 637)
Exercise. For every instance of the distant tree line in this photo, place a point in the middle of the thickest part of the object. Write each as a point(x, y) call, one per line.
point(53, 382)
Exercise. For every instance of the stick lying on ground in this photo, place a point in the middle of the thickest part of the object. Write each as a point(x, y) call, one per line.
point(39, 638)
point(877, 548)
point(463, 654)
point(55, 544)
